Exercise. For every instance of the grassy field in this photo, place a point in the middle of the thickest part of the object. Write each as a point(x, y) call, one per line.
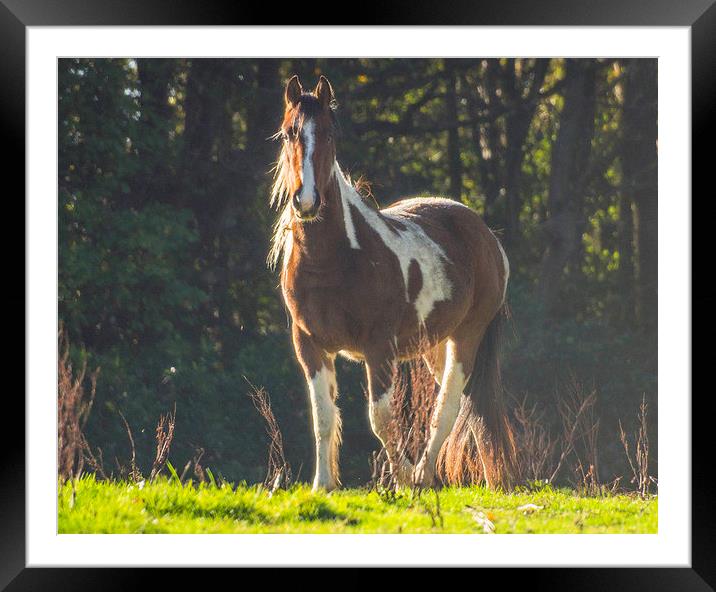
point(169, 507)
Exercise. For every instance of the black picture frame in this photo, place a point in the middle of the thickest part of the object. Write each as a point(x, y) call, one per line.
point(700, 15)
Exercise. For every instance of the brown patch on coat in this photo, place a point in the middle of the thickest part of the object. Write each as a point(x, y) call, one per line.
point(395, 225)
point(415, 280)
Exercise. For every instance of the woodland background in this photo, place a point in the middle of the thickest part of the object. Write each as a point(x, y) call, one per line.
point(164, 225)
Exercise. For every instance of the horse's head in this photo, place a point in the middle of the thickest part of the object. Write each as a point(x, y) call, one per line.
point(309, 150)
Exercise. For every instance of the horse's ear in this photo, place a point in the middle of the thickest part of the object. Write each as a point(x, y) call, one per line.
point(324, 92)
point(293, 91)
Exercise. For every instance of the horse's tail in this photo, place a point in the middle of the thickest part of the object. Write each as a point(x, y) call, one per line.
point(482, 445)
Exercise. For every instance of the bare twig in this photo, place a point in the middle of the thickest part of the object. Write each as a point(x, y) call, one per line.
point(573, 409)
point(198, 453)
point(134, 474)
point(278, 471)
point(73, 408)
point(536, 447)
point(96, 462)
point(640, 463)
point(164, 437)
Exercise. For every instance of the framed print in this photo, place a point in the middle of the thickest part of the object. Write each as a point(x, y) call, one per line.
point(269, 270)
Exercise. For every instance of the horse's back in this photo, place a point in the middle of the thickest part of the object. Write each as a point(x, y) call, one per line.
point(450, 223)
point(462, 233)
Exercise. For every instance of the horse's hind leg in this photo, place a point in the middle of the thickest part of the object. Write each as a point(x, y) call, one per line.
point(435, 360)
point(458, 362)
point(381, 372)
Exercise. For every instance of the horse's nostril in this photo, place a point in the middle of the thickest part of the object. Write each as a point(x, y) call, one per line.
point(301, 205)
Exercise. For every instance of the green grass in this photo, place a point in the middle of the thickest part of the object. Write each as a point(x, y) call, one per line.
point(168, 507)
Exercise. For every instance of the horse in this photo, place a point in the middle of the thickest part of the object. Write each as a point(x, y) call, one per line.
point(421, 277)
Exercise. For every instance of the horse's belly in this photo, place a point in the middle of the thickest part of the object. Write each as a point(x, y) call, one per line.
point(353, 356)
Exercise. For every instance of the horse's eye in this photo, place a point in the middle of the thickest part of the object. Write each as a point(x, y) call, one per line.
point(291, 133)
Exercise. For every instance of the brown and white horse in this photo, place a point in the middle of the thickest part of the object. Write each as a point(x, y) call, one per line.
point(372, 285)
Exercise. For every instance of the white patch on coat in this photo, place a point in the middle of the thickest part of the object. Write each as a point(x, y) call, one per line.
point(326, 427)
point(437, 201)
point(380, 414)
point(347, 216)
point(410, 244)
point(308, 179)
point(506, 265)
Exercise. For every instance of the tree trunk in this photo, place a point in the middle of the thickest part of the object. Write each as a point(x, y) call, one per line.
point(240, 261)
point(206, 126)
point(154, 179)
point(517, 125)
point(486, 170)
point(567, 182)
point(625, 238)
point(453, 146)
point(509, 102)
point(639, 164)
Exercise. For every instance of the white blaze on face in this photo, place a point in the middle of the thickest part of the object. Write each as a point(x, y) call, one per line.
point(308, 178)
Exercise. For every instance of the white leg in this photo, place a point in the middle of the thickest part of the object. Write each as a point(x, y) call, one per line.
point(326, 427)
point(381, 415)
point(447, 407)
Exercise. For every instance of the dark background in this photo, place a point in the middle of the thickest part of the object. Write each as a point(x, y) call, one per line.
point(164, 169)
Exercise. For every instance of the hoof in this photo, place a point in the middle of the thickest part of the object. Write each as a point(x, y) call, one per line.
point(325, 486)
point(424, 475)
point(403, 473)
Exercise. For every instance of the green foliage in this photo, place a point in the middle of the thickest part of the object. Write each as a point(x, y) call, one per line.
point(169, 507)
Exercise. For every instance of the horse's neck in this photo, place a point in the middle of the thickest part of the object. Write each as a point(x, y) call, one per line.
point(319, 242)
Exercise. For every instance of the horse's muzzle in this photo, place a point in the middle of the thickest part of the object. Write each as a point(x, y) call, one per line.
point(306, 211)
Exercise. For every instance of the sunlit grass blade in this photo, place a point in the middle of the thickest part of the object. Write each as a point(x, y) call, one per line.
point(173, 471)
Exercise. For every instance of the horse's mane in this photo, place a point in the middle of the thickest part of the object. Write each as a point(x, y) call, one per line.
point(280, 198)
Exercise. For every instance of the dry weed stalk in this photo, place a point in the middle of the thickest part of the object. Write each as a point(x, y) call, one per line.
point(164, 437)
point(198, 469)
point(640, 463)
point(73, 408)
point(134, 473)
point(278, 472)
point(381, 479)
point(578, 425)
point(96, 462)
point(536, 447)
point(541, 456)
point(580, 408)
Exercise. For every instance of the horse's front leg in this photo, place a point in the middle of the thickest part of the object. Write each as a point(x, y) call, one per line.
point(381, 372)
point(319, 369)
